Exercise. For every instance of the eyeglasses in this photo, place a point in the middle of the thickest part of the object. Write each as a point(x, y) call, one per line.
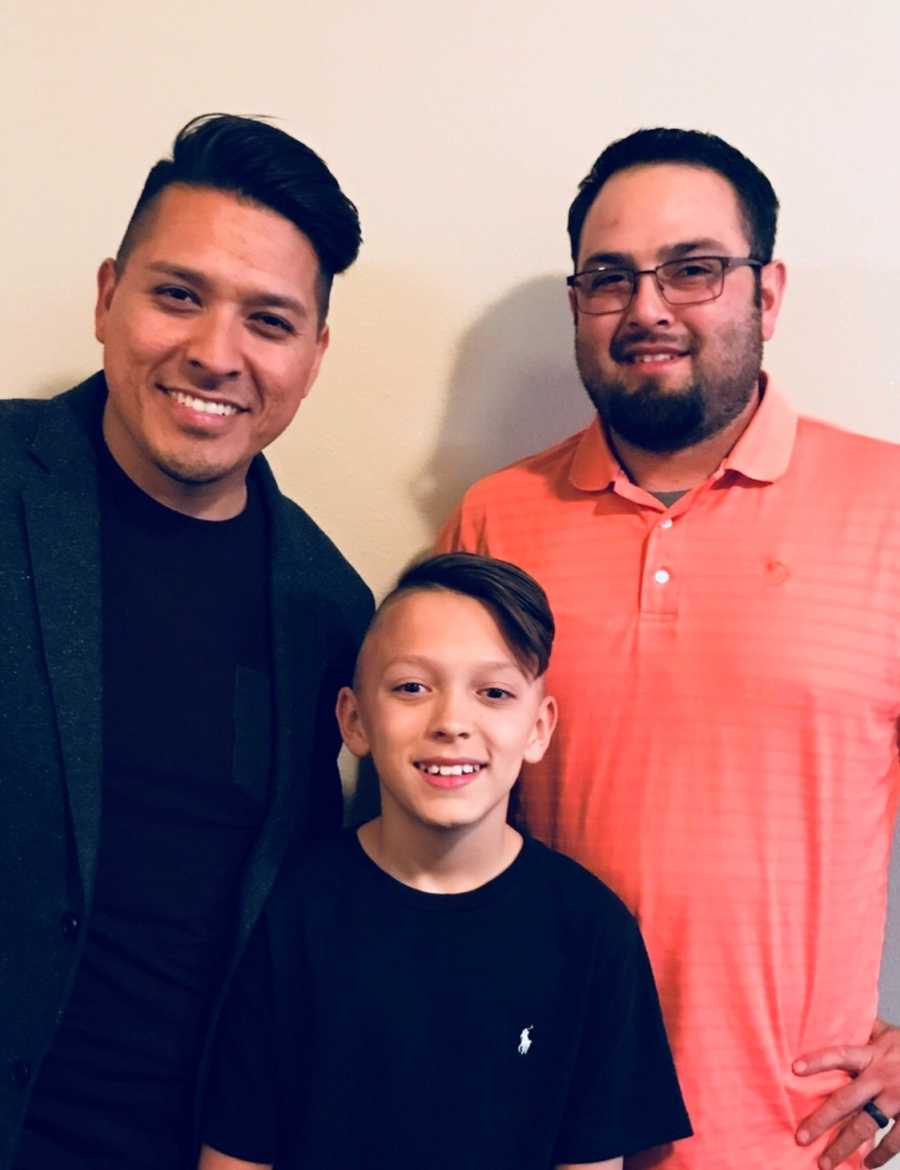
point(680, 282)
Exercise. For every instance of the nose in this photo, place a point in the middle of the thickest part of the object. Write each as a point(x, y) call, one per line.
point(647, 308)
point(449, 719)
point(213, 349)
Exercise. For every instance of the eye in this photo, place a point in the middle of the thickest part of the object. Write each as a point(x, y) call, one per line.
point(496, 694)
point(690, 270)
point(174, 296)
point(408, 688)
point(604, 279)
point(271, 325)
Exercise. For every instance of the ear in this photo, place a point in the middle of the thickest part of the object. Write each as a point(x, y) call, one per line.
point(573, 306)
point(542, 732)
point(772, 281)
point(350, 722)
point(321, 345)
point(107, 279)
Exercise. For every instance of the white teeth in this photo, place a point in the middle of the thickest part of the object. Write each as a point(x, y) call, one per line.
point(202, 405)
point(449, 769)
point(644, 358)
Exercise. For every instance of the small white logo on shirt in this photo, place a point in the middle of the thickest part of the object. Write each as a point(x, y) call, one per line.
point(525, 1039)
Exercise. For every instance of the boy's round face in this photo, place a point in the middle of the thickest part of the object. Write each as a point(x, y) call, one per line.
point(445, 709)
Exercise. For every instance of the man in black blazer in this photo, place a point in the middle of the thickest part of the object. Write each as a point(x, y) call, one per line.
point(174, 632)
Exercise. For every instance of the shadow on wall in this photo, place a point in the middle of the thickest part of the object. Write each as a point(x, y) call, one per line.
point(889, 1002)
point(514, 390)
point(854, 379)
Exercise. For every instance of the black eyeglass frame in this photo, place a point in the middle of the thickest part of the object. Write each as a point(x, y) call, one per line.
point(728, 263)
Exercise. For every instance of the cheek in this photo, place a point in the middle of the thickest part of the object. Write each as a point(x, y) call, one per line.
point(279, 405)
point(718, 323)
point(286, 382)
point(144, 339)
point(586, 346)
point(594, 335)
point(727, 339)
point(395, 728)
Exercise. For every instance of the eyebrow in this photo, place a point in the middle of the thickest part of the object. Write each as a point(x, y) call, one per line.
point(706, 244)
point(257, 297)
point(424, 660)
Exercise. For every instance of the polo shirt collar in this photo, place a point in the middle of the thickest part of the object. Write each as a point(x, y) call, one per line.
point(594, 467)
point(763, 451)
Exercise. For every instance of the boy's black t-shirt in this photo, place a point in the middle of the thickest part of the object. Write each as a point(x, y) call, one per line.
point(511, 1028)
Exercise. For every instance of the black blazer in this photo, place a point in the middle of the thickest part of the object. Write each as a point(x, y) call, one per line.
point(51, 713)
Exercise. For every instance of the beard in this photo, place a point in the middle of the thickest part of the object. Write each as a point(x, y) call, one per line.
point(664, 419)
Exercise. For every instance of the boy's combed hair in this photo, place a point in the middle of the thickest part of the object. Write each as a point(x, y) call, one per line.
point(515, 600)
point(756, 196)
point(256, 161)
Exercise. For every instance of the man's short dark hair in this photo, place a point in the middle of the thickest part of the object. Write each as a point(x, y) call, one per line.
point(756, 196)
point(514, 599)
point(258, 162)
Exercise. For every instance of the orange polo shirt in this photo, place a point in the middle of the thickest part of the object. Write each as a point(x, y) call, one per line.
point(728, 677)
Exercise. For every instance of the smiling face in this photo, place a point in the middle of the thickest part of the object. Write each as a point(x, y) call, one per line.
point(211, 341)
point(663, 376)
point(446, 711)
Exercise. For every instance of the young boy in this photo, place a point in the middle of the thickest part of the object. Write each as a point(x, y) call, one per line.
point(449, 995)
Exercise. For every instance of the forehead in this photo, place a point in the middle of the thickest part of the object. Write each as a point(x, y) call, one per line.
point(218, 232)
point(451, 629)
point(643, 209)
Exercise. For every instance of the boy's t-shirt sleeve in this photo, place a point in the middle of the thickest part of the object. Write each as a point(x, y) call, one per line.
point(240, 1108)
point(625, 1095)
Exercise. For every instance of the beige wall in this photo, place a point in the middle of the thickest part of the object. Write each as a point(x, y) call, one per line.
point(460, 130)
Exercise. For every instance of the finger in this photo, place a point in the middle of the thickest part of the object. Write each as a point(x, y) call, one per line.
point(886, 1149)
point(849, 1057)
point(858, 1130)
point(842, 1103)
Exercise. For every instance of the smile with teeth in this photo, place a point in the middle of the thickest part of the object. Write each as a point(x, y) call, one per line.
point(202, 405)
point(450, 769)
point(646, 358)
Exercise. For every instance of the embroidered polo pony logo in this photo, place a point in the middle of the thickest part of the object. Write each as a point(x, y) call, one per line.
point(525, 1039)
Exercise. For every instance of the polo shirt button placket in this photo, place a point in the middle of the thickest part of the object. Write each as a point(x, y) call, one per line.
point(659, 592)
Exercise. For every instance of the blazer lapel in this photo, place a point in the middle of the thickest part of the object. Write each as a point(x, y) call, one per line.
point(297, 632)
point(63, 531)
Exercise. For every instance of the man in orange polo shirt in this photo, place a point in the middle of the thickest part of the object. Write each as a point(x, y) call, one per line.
point(726, 582)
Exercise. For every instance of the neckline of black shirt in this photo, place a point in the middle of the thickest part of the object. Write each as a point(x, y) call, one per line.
point(120, 491)
point(500, 886)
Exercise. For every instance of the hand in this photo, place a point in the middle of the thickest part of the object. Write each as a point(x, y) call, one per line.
point(875, 1069)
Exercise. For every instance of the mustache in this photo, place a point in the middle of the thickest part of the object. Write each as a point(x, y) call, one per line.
point(621, 347)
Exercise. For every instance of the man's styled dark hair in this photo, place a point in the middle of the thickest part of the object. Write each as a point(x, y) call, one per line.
point(756, 196)
point(514, 599)
point(262, 164)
